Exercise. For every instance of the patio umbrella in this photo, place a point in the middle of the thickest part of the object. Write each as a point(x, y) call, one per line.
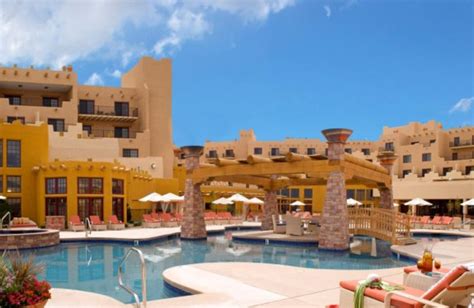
point(223, 201)
point(297, 203)
point(153, 197)
point(238, 198)
point(168, 198)
point(353, 202)
point(255, 200)
point(417, 202)
point(465, 204)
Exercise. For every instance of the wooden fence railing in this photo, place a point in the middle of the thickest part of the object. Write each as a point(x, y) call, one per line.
point(387, 225)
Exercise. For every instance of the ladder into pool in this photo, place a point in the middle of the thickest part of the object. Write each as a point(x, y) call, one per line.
point(7, 215)
point(138, 304)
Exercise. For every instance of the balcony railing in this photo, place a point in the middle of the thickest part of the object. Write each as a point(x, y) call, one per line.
point(462, 143)
point(387, 149)
point(463, 156)
point(36, 102)
point(113, 111)
point(110, 133)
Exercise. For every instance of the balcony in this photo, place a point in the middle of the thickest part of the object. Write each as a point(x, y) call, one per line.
point(462, 144)
point(387, 149)
point(111, 133)
point(108, 113)
point(463, 156)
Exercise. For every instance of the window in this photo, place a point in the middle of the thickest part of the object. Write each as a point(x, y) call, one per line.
point(389, 146)
point(370, 194)
point(326, 152)
point(56, 186)
point(455, 156)
point(89, 185)
point(426, 157)
point(117, 208)
point(14, 99)
point(51, 102)
point(360, 195)
point(275, 152)
point(213, 154)
point(14, 205)
point(348, 150)
point(86, 106)
point(58, 124)
point(293, 150)
point(11, 119)
point(130, 152)
point(87, 128)
point(457, 141)
point(285, 192)
point(90, 206)
point(311, 151)
point(13, 183)
point(446, 170)
point(229, 153)
point(308, 193)
point(432, 141)
point(425, 171)
point(56, 207)
point(350, 193)
point(257, 151)
point(406, 172)
point(14, 153)
point(366, 151)
point(117, 187)
point(406, 159)
point(121, 132)
point(294, 193)
point(121, 109)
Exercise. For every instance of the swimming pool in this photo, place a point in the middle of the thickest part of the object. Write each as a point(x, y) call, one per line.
point(93, 266)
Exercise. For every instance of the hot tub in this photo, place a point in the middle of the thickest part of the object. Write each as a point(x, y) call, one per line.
point(26, 238)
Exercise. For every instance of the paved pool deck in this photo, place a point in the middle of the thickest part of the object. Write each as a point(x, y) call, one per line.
point(240, 284)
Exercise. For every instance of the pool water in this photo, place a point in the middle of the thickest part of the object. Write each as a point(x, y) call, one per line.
point(93, 266)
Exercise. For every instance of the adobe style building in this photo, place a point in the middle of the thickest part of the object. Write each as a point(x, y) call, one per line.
point(70, 149)
point(433, 163)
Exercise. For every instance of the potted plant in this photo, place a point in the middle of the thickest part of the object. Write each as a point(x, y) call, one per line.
point(19, 285)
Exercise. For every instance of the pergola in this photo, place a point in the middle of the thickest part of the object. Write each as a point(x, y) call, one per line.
point(273, 174)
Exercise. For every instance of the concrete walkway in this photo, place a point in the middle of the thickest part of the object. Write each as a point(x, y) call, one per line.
point(65, 298)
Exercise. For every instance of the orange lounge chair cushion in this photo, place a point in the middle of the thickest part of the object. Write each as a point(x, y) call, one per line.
point(114, 220)
point(75, 220)
point(95, 220)
point(445, 282)
point(411, 269)
point(379, 295)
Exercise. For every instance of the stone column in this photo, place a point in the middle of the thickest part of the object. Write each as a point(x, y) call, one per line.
point(269, 208)
point(193, 225)
point(386, 159)
point(334, 232)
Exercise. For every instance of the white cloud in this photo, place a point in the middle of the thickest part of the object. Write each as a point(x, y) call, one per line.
point(52, 33)
point(95, 80)
point(327, 9)
point(463, 105)
point(116, 74)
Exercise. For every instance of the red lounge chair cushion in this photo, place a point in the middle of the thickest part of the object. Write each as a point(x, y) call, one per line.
point(167, 217)
point(379, 295)
point(114, 220)
point(22, 226)
point(445, 282)
point(75, 220)
point(95, 220)
point(436, 220)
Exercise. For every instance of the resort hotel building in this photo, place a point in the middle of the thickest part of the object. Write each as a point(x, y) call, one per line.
point(70, 149)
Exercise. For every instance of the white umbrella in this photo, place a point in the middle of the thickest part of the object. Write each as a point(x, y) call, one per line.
point(417, 202)
point(238, 198)
point(153, 197)
point(223, 201)
point(170, 197)
point(353, 202)
point(3, 197)
point(255, 200)
point(469, 202)
point(297, 203)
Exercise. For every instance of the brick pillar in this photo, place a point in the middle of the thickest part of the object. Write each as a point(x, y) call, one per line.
point(193, 225)
point(386, 159)
point(269, 208)
point(334, 232)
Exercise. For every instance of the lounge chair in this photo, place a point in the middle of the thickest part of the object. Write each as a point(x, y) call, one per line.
point(457, 223)
point(178, 217)
point(451, 290)
point(168, 221)
point(97, 224)
point(279, 226)
point(222, 218)
point(294, 226)
point(115, 223)
point(445, 223)
point(150, 222)
point(209, 218)
point(75, 223)
point(234, 220)
point(22, 222)
point(422, 222)
point(435, 222)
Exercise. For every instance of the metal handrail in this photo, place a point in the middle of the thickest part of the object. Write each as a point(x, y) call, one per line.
point(143, 266)
point(88, 227)
point(7, 214)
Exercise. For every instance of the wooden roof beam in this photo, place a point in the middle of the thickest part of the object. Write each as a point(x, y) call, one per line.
point(290, 156)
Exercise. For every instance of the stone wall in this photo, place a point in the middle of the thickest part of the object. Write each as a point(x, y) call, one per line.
point(269, 208)
point(29, 240)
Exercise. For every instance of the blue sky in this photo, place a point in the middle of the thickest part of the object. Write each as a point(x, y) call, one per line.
point(286, 68)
